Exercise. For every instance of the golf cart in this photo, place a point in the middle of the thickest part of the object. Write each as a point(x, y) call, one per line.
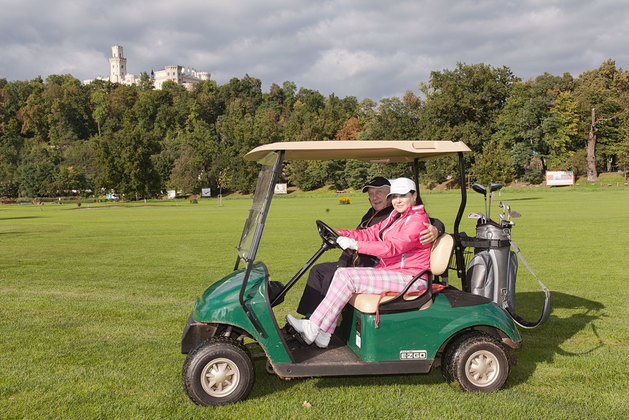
point(468, 335)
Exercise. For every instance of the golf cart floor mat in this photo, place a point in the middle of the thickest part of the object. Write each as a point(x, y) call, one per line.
point(336, 350)
point(303, 352)
point(458, 299)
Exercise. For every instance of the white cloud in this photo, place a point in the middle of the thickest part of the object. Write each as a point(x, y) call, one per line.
point(364, 48)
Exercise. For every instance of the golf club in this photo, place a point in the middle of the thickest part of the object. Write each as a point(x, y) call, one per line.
point(494, 186)
point(476, 215)
point(502, 205)
point(481, 190)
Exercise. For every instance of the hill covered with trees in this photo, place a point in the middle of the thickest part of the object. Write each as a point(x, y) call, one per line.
point(59, 137)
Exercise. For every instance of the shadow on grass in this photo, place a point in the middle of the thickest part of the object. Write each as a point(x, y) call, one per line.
point(267, 384)
point(20, 217)
point(540, 345)
point(523, 198)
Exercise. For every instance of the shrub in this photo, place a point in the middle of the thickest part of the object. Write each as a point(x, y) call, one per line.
point(534, 176)
point(344, 200)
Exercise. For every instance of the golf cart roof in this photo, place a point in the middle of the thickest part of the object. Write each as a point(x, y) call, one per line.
point(375, 151)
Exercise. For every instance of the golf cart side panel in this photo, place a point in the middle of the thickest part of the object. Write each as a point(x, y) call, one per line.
point(219, 304)
point(426, 330)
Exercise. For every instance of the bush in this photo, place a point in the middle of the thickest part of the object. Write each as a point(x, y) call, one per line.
point(534, 176)
point(521, 155)
point(344, 200)
point(301, 174)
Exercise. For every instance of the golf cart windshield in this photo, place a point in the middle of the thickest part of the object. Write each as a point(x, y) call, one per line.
point(255, 222)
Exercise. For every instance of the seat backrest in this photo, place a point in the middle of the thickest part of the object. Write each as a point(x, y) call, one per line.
point(440, 254)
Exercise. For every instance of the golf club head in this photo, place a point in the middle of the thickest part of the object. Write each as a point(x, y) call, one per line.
point(479, 189)
point(475, 215)
point(502, 205)
point(494, 186)
point(514, 213)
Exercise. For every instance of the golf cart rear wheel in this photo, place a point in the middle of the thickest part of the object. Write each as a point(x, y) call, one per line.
point(218, 371)
point(478, 363)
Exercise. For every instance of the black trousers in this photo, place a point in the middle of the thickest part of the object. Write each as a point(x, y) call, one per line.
point(317, 286)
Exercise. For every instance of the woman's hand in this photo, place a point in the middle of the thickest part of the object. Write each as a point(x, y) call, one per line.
point(347, 243)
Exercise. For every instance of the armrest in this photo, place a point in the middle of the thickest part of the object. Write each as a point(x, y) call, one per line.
point(399, 299)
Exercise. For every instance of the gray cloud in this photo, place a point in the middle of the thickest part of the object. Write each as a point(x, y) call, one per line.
point(367, 48)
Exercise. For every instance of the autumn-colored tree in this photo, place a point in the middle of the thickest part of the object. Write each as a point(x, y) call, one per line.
point(349, 131)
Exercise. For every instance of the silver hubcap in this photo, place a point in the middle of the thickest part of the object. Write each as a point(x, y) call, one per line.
point(220, 377)
point(482, 368)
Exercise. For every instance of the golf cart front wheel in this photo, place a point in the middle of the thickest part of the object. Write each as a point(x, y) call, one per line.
point(218, 371)
point(478, 364)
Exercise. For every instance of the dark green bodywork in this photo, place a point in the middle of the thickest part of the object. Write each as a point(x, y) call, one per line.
point(220, 304)
point(412, 331)
point(419, 331)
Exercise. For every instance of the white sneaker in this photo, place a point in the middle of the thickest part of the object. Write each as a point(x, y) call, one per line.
point(308, 331)
point(323, 339)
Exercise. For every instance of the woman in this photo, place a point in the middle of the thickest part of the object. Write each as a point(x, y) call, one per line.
point(395, 241)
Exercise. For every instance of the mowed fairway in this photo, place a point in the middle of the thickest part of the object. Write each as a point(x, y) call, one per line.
point(93, 302)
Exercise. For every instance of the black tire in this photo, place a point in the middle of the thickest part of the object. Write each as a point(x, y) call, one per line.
point(477, 362)
point(218, 371)
point(447, 356)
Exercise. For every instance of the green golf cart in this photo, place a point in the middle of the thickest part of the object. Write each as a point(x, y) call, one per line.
point(470, 337)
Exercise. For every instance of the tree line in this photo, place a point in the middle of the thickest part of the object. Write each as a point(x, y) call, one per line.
point(60, 137)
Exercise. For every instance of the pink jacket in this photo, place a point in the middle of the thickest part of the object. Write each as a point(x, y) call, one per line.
point(399, 249)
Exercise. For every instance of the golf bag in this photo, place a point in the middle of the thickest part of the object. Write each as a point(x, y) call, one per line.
point(493, 269)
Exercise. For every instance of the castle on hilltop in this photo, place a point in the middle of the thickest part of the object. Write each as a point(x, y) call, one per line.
point(175, 73)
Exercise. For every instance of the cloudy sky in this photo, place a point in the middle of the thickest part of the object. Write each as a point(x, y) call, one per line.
point(363, 48)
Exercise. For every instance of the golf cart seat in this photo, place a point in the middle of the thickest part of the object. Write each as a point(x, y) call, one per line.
point(439, 260)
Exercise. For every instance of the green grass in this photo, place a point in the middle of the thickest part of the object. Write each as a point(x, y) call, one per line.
point(93, 301)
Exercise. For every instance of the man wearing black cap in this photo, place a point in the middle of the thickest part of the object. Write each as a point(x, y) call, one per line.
point(321, 275)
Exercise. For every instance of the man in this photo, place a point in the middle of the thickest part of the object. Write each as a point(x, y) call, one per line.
point(321, 275)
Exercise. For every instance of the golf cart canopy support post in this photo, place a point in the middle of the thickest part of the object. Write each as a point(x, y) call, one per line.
point(458, 247)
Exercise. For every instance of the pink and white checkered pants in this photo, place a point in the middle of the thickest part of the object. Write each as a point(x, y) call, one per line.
point(350, 280)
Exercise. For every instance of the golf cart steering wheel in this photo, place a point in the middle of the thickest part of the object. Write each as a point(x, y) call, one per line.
point(327, 234)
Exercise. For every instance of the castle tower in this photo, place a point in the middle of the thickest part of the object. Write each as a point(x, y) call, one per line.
point(118, 65)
